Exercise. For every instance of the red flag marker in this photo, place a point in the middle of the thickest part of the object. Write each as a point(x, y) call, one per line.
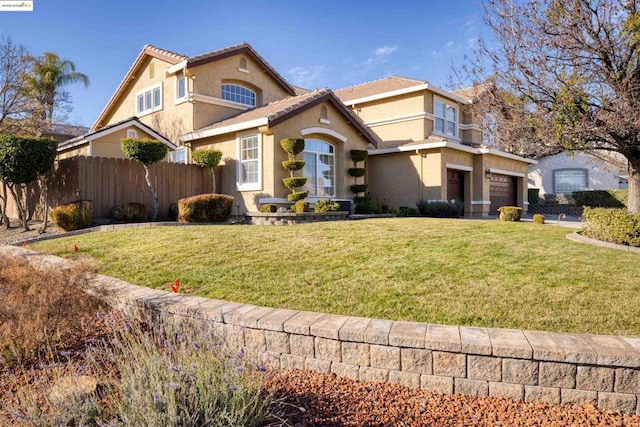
point(24, 244)
point(75, 248)
point(176, 286)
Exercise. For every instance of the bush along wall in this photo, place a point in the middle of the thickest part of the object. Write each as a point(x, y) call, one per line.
point(601, 198)
point(205, 208)
point(612, 225)
point(293, 147)
point(73, 216)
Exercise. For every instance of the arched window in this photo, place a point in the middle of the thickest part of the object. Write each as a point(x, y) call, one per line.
point(239, 94)
point(319, 168)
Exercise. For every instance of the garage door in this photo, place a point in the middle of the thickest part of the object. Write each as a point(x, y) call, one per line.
point(502, 192)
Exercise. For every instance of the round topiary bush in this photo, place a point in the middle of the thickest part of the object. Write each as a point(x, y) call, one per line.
point(510, 213)
point(357, 172)
point(293, 146)
point(358, 155)
point(538, 219)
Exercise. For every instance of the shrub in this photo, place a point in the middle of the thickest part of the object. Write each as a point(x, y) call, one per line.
point(268, 208)
point(301, 207)
point(405, 211)
point(40, 306)
point(293, 146)
point(367, 207)
point(293, 165)
point(208, 158)
point(73, 216)
point(172, 214)
point(297, 195)
point(357, 172)
point(538, 219)
point(359, 188)
point(325, 205)
point(510, 213)
point(601, 198)
point(533, 195)
point(612, 225)
point(129, 212)
point(358, 155)
point(205, 208)
point(294, 182)
point(440, 209)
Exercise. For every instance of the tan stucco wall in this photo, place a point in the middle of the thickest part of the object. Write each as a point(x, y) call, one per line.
point(73, 152)
point(402, 179)
point(482, 185)
point(273, 155)
point(173, 120)
point(106, 146)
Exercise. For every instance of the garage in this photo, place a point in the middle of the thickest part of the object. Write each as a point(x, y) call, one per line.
point(503, 192)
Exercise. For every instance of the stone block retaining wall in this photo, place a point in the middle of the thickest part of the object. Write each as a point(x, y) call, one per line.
point(260, 218)
point(533, 366)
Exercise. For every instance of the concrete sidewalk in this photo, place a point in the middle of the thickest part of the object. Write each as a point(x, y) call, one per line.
point(563, 221)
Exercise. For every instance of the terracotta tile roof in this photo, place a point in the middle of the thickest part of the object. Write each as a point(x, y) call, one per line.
point(279, 111)
point(163, 54)
point(376, 87)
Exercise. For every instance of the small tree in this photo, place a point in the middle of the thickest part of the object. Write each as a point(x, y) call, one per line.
point(293, 147)
point(22, 161)
point(210, 159)
point(147, 152)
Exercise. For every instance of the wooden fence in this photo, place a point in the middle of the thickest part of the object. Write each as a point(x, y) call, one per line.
point(111, 182)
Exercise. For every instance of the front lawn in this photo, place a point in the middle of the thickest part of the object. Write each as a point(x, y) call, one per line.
point(458, 272)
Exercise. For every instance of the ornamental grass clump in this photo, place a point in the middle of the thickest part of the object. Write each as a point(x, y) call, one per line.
point(72, 216)
point(293, 147)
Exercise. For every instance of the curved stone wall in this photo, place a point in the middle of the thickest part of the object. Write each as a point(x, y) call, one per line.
point(533, 366)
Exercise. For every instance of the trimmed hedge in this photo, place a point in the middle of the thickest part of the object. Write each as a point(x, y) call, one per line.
point(293, 146)
point(538, 219)
point(439, 209)
point(129, 212)
point(357, 172)
point(72, 216)
point(612, 225)
point(294, 182)
point(268, 208)
point(205, 208)
point(510, 213)
point(325, 205)
point(601, 198)
point(301, 206)
point(297, 195)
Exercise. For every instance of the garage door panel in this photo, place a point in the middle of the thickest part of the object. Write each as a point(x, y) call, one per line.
point(502, 192)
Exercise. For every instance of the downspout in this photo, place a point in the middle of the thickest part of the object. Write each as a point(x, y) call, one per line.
point(422, 157)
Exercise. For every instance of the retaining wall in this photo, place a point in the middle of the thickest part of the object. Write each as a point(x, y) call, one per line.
point(533, 366)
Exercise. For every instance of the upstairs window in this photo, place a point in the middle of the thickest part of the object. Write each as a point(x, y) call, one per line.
point(489, 130)
point(569, 180)
point(149, 100)
point(239, 94)
point(181, 89)
point(178, 156)
point(446, 118)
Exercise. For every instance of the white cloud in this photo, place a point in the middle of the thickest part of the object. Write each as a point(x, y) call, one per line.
point(385, 50)
point(308, 78)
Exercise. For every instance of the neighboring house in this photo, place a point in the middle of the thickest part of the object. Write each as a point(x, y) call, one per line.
point(569, 171)
point(423, 143)
point(433, 148)
point(105, 142)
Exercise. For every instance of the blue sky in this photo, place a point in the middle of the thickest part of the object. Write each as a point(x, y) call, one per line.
point(311, 43)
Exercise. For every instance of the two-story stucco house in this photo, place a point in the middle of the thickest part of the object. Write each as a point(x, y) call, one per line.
point(433, 147)
point(422, 143)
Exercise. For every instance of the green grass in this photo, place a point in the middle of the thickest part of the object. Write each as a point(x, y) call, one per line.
point(459, 272)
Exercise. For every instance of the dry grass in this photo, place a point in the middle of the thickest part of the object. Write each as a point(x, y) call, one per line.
point(34, 314)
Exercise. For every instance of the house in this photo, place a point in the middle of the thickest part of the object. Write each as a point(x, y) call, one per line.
point(422, 140)
point(567, 171)
point(231, 100)
point(433, 148)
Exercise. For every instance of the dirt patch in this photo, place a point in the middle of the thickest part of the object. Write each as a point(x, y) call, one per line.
point(16, 235)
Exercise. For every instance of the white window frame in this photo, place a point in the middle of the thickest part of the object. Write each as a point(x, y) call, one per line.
point(489, 130)
point(172, 155)
point(176, 94)
point(148, 96)
point(317, 154)
point(255, 95)
point(584, 171)
point(132, 133)
point(240, 183)
point(447, 105)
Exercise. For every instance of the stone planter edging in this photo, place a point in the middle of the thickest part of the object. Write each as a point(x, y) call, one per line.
point(577, 237)
point(533, 366)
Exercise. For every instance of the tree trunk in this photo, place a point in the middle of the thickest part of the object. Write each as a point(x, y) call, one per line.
point(3, 209)
point(152, 191)
point(21, 208)
point(633, 204)
point(45, 220)
point(213, 181)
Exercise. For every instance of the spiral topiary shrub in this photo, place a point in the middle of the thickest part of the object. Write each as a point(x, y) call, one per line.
point(205, 208)
point(357, 172)
point(72, 216)
point(129, 212)
point(510, 213)
point(325, 205)
point(293, 147)
point(538, 219)
point(358, 156)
